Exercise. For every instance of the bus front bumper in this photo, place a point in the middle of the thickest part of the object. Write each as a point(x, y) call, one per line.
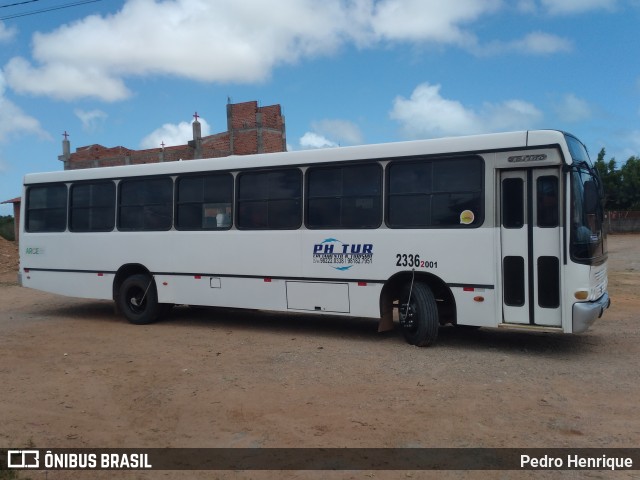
point(585, 313)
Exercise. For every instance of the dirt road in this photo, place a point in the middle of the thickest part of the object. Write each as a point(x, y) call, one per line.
point(73, 374)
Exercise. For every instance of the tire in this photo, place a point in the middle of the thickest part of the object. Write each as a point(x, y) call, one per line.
point(419, 315)
point(138, 299)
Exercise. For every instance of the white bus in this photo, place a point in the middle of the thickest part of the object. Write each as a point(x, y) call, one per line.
point(502, 230)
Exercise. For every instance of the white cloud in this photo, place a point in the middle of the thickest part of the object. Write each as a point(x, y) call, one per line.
point(573, 109)
point(427, 114)
point(428, 20)
point(173, 134)
point(13, 121)
point(225, 40)
point(569, 7)
point(64, 81)
point(6, 34)
point(343, 131)
point(218, 41)
point(534, 43)
point(541, 43)
point(526, 6)
point(314, 140)
point(91, 120)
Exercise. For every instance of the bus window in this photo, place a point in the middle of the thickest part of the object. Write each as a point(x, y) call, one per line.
point(344, 197)
point(512, 203)
point(547, 203)
point(513, 275)
point(92, 207)
point(410, 195)
point(145, 204)
point(47, 208)
point(204, 202)
point(270, 200)
point(435, 193)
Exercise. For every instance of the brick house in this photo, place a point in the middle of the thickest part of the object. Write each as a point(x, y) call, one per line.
point(250, 129)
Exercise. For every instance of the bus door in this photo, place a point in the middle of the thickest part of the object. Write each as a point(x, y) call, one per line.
point(530, 238)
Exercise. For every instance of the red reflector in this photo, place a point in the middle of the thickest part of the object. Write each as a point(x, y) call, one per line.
point(468, 289)
point(478, 299)
point(165, 283)
point(267, 280)
point(362, 284)
point(100, 274)
point(26, 270)
point(197, 277)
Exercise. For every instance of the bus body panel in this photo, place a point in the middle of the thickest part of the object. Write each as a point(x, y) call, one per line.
point(345, 271)
point(94, 285)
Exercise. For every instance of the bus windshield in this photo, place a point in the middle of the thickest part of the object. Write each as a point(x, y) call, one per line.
point(588, 238)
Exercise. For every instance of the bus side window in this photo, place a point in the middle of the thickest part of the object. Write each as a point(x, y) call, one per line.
point(410, 194)
point(344, 196)
point(145, 204)
point(47, 208)
point(440, 193)
point(203, 202)
point(270, 200)
point(92, 207)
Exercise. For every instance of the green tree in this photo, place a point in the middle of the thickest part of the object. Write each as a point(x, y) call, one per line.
point(621, 185)
point(611, 180)
point(6, 228)
point(630, 184)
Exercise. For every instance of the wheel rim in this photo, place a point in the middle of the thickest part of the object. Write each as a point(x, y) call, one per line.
point(136, 301)
point(407, 316)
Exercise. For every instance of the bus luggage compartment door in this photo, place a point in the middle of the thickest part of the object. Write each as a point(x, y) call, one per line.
point(318, 297)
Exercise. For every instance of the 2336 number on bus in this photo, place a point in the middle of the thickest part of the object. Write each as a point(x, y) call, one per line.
point(413, 260)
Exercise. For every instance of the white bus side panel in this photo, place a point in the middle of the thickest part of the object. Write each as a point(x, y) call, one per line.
point(476, 307)
point(233, 292)
point(94, 285)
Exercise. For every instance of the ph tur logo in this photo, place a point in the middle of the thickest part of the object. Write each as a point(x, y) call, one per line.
point(342, 256)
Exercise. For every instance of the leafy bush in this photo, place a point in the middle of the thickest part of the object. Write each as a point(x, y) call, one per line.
point(6, 228)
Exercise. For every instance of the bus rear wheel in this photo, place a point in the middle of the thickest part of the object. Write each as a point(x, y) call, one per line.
point(418, 314)
point(138, 299)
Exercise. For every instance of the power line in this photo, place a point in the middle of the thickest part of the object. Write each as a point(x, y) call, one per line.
point(19, 3)
point(50, 9)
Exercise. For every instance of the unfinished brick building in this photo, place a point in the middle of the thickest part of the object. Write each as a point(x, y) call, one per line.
point(250, 129)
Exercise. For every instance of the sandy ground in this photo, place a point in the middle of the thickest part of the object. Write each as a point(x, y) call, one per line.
point(73, 374)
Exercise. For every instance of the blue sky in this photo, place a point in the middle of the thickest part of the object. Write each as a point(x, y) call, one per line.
point(346, 72)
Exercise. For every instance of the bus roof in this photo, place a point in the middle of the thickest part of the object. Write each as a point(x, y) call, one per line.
point(449, 145)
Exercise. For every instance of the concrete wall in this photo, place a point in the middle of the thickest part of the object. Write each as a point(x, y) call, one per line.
point(622, 222)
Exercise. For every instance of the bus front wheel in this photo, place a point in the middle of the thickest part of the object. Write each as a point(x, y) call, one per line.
point(419, 315)
point(138, 299)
